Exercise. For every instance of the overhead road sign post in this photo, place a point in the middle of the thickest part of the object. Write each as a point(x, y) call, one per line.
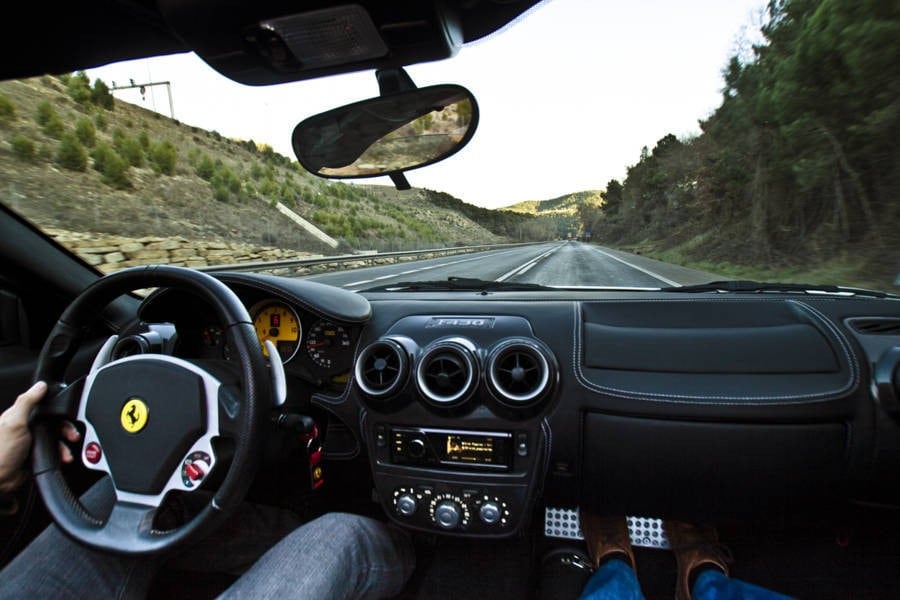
point(143, 87)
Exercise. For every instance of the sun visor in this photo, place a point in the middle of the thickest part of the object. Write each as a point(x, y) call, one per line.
point(269, 42)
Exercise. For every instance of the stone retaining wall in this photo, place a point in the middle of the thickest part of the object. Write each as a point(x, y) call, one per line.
point(110, 253)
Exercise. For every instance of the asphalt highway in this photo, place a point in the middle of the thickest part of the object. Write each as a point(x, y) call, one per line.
point(564, 264)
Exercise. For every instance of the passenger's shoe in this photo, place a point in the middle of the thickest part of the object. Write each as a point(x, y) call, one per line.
point(695, 546)
point(606, 536)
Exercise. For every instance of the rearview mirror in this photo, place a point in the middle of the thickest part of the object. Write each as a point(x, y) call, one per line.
point(387, 134)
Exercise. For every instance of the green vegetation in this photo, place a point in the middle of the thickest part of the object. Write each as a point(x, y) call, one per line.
point(22, 147)
point(515, 225)
point(86, 132)
point(225, 183)
point(349, 227)
point(79, 89)
point(55, 127)
point(163, 157)
point(113, 168)
point(205, 168)
point(132, 151)
point(71, 154)
point(101, 96)
point(49, 120)
point(842, 269)
point(44, 112)
point(561, 217)
point(128, 148)
point(797, 166)
point(101, 154)
point(7, 109)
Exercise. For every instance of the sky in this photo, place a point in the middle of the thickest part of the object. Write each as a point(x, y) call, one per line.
point(568, 95)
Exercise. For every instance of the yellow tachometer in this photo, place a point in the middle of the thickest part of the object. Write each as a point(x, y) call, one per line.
point(278, 323)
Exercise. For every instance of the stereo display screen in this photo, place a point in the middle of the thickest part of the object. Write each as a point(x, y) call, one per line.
point(474, 449)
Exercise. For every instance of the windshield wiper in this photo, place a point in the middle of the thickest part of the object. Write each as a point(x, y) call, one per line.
point(761, 287)
point(464, 284)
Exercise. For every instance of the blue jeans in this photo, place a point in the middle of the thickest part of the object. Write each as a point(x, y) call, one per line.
point(615, 580)
point(338, 555)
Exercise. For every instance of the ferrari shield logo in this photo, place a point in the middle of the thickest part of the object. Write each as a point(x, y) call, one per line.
point(134, 415)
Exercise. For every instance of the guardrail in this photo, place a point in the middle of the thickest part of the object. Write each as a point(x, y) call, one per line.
point(303, 266)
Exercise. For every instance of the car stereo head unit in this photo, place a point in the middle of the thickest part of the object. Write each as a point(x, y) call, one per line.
point(481, 450)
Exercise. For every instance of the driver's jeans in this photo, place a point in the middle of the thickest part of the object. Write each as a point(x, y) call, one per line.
point(338, 555)
point(615, 580)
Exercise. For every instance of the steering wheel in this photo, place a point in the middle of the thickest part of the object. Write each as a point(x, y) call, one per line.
point(149, 419)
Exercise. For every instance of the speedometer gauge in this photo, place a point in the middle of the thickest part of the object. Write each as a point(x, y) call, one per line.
point(328, 345)
point(278, 323)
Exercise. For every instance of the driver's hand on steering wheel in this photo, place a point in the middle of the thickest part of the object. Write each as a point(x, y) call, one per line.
point(15, 438)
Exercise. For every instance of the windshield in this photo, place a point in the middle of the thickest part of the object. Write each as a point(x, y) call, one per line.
point(621, 145)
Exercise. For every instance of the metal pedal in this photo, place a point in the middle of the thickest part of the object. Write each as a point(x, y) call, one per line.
point(565, 523)
point(562, 523)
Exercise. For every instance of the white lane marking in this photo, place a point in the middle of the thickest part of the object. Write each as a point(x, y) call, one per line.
point(523, 268)
point(641, 269)
point(420, 269)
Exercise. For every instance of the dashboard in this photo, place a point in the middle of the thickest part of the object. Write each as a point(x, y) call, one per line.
point(473, 410)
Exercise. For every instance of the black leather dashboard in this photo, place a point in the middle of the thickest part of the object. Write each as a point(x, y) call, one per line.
point(474, 409)
point(697, 407)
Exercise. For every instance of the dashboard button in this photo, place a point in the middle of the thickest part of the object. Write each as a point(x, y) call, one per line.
point(522, 444)
point(417, 447)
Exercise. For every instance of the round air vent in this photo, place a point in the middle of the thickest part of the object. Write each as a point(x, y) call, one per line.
point(519, 372)
point(381, 368)
point(446, 373)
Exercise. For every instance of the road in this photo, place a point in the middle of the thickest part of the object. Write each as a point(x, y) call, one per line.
point(569, 264)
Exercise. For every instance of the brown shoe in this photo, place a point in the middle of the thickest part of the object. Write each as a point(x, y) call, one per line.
point(694, 546)
point(605, 536)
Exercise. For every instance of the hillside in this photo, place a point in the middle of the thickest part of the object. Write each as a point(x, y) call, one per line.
point(133, 172)
point(563, 211)
point(795, 176)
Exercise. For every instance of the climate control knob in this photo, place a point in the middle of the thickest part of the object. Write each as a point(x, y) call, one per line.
point(489, 513)
point(447, 514)
point(407, 505)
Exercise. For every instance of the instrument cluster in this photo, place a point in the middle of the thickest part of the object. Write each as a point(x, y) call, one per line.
point(317, 349)
point(328, 345)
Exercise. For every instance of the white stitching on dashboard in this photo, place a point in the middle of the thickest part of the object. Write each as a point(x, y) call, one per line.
point(842, 339)
point(548, 444)
point(722, 400)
